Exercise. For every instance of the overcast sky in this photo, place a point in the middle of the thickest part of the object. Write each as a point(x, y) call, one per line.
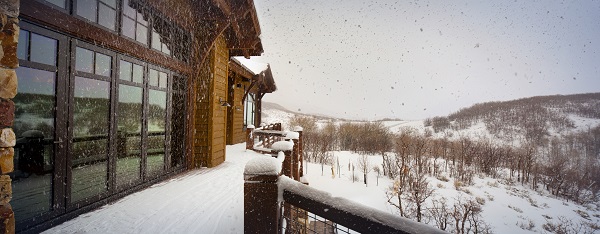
point(417, 59)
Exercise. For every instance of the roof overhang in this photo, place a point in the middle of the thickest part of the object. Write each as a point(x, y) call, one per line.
point(243, 35)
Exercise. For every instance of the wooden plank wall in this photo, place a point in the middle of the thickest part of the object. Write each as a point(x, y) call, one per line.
point(211, 118)
point(201, 118)
point(238, 134)
point(218, 127)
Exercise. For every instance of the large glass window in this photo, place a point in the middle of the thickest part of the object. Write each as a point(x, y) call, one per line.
point(134, 25)
point(34, 126)
point(157, 113)
point(129, 134)
point(249, 110)
point(158, 78)
point(90, 138)
point(82, 122)
point(92, 62)
point(158, 43)
point(34, 151)
point(37, 48)
point(102, 12)
point(90, 126)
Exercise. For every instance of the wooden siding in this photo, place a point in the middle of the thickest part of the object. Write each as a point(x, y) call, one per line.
point(210, 117)
point(235, 121)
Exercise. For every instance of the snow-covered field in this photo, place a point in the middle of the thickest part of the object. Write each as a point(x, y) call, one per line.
point(508, 208)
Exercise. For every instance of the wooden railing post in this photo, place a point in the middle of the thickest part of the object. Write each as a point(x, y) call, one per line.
point(261, 207)
point(287, 164)
point(249, 137)
point(295, 158)
point(300, 144)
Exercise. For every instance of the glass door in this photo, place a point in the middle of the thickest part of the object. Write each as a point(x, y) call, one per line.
point(40, 117)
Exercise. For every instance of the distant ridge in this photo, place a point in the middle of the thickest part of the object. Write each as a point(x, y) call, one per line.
point(275, 106)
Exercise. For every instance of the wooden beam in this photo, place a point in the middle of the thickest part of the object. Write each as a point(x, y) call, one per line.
point(223, 5)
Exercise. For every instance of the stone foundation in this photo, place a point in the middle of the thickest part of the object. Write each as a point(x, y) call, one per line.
point(9, 37)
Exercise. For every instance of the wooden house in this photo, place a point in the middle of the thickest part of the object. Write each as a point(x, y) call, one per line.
point(249, 82)
point(115, 95)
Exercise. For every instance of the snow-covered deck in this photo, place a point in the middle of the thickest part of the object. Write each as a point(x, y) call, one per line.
point(209, 200)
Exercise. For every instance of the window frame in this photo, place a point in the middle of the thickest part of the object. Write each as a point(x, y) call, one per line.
point(144, 132)
point(60, 120)
point(74, 13)
point(111, 163)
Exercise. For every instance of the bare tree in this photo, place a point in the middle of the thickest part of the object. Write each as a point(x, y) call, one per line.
point(377, 170)
point(364, 165)
point(419, 191)
point(440, 213)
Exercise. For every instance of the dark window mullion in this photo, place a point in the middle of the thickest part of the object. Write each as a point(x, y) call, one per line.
point(168, 129)
point(145, 107)
point(114, 105)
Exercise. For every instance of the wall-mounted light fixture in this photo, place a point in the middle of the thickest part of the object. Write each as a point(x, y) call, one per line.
point(223, 102)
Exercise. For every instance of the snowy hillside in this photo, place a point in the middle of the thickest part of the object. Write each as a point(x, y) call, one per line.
point(506, 204)
point(507, 207)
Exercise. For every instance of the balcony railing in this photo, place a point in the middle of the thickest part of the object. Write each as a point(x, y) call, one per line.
point(278, 200)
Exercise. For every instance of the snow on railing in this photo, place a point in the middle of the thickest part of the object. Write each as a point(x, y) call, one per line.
point(276, 200)
point(319, 212)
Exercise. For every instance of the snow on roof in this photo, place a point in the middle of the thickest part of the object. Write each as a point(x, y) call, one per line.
point(253, 66)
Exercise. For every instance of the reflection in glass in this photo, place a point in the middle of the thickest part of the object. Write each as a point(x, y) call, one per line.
point(107, 16)
point(129, 134)
point(23, 46)
point(90, 138)
point(141, 34)
point(127, 10)
point(157, 112)
point(138, 73)
point(153, 76)
point(162, 82)
point(249, 110)
point(134, 25)
point(128, 28)
point(34, 150)
point(87, 9)
point(156, 44)
point(125, 70)
point(111, 3)
point(103, 64)
point(84, 60)
point(43, 49)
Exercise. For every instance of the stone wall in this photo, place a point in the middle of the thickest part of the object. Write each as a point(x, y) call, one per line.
point(9, 37)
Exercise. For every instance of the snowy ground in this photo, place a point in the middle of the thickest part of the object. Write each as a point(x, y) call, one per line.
point(508, 208)
point(209, 200)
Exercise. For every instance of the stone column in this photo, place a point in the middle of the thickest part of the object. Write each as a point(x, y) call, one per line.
point(9, 37)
